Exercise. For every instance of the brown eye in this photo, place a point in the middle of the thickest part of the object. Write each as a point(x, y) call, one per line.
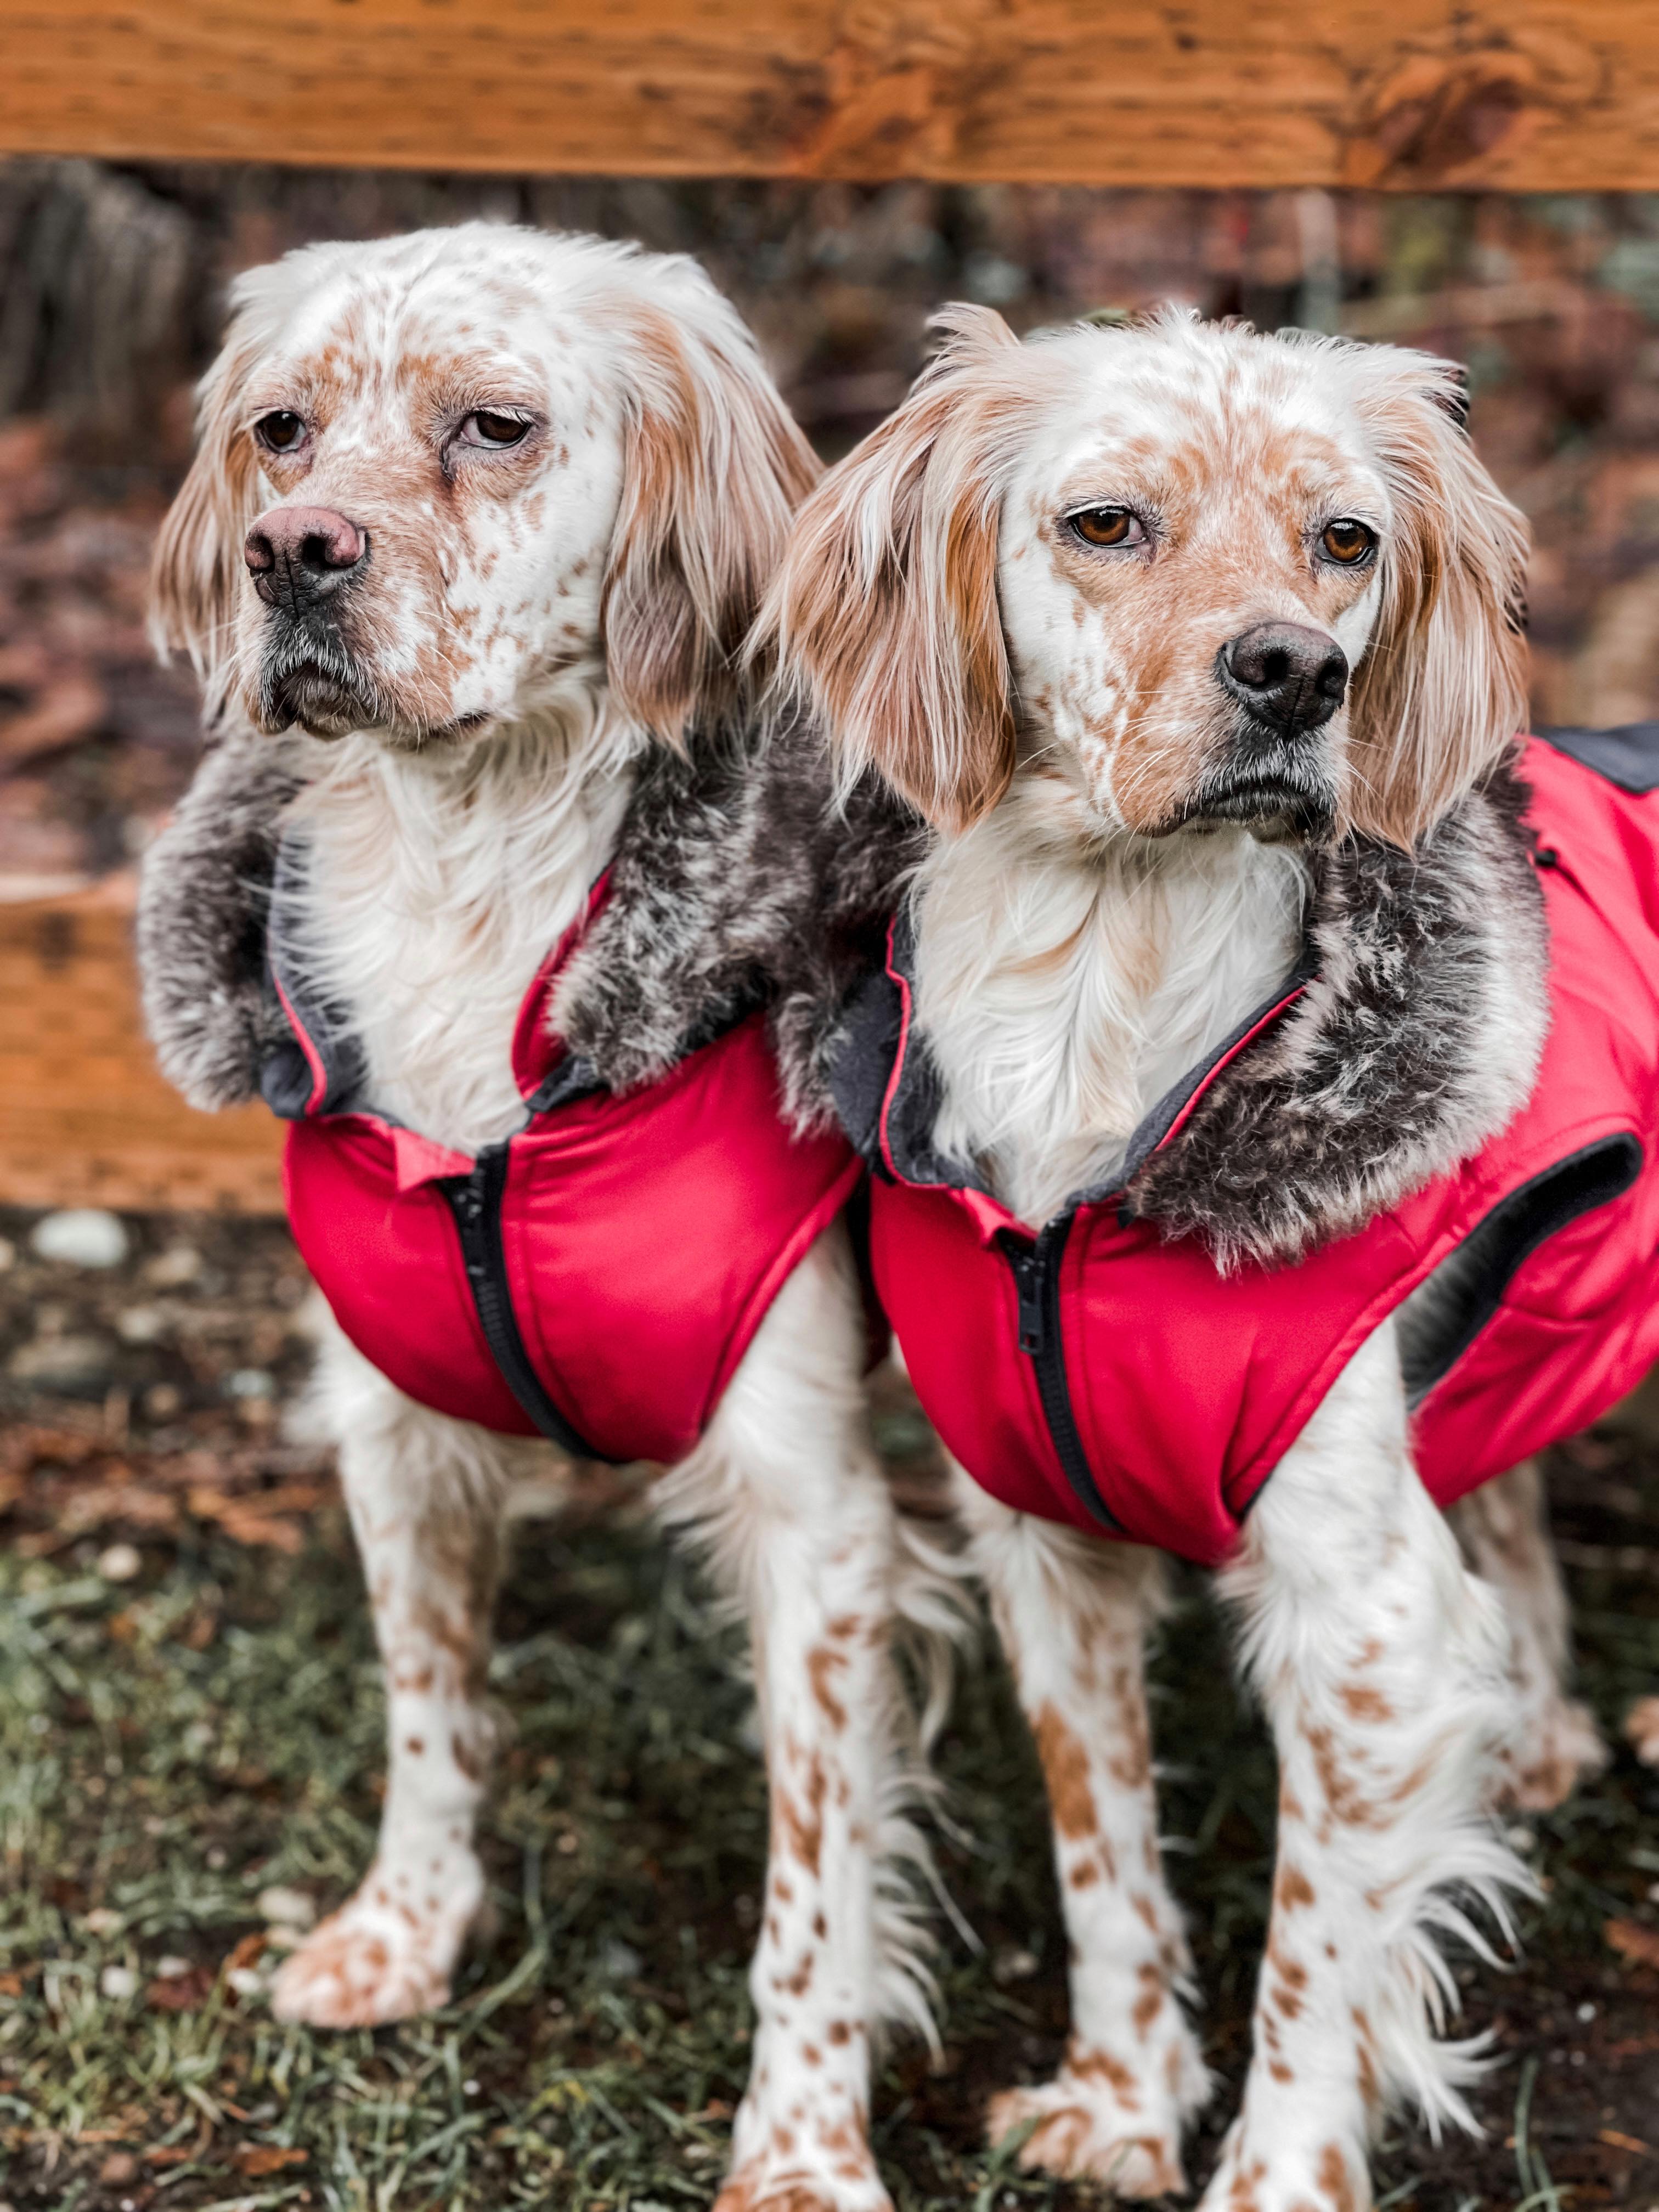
point(1347, 541)
point(1108, 525)
point(483, 427)
point(280, 431)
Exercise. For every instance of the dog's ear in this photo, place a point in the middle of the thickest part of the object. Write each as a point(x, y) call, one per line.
point(886, 609)
point(713, 469)
point(196, 571)
point(1441, 688)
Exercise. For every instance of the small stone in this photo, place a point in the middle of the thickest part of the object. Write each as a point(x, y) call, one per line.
point(1013, 1964)
point(171, 1969)
point(120, 1563)
point(162, 1400)
point(1587, 2011)
point(1520, 1838)
point(101, 1921)
point(72, 1362)
point(246, 1981)
point(118, 1984)
point(172, 1269)
point(119, 2167)
point(82, 1237)
point(618, 1961)
point(290, 1908)
point(250, 1383)
point(141, 1324)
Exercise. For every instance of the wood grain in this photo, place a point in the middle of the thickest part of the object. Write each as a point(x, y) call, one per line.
point(85, 1118)
point(1415, 94)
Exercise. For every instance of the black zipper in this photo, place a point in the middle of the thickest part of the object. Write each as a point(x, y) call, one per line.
point(1037, 1281)
point(474, 1200)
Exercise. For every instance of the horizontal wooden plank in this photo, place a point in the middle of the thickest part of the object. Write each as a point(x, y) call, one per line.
point(85, 1117)
point(1516, 95)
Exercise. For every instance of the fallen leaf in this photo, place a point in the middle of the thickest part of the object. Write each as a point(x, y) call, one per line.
point(245, 1953)
point(1616, 2141)
point(255, 2158)
point(1632, 1941)
point(180, 1992)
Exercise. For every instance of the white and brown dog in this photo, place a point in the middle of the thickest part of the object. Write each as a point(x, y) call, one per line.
point(1200, 653)
point(477, 521)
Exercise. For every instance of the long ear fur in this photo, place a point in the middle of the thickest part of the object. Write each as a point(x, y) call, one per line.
point(1441, 689)
point(196, 571)
point(714, 470)
point(885, 608)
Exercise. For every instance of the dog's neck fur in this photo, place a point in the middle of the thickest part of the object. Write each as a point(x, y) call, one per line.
point(1063, 988)
point(435, 886)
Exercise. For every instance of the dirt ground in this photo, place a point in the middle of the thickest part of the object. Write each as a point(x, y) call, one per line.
point(189, 1756)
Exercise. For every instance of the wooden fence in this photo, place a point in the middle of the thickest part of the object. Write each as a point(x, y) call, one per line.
point(1412, 95)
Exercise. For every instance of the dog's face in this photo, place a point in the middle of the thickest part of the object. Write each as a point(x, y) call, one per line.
point(1188, 572)
point(445, 478)
point(1182, 576)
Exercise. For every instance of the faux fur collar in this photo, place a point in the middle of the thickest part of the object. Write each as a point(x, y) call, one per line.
point(736, 883)
point(1414, 1039)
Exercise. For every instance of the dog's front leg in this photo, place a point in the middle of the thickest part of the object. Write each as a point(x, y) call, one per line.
point(788, 1495)
point(424, 1494)
point(1382, 1665)
point(1072, 1613)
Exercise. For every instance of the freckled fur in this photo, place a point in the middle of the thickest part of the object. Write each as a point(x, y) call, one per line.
point(1077, 947)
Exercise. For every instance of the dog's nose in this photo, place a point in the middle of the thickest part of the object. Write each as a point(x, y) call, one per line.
point(1287, 674)
point(297, 555)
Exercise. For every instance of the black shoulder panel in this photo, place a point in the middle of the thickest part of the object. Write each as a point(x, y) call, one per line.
point(1443, 1315)
point(1628, 757)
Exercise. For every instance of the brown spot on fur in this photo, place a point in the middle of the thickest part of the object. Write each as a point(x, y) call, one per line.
point(821, 1663)
point(1364, 1704)
point(1291, 1889)
point(803, 1824)
point(1065, 1765)
point(1333, 2177)
point(1101, 2066)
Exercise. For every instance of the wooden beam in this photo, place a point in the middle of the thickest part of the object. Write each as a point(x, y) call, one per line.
point(85, 1118)
point(1519, 95)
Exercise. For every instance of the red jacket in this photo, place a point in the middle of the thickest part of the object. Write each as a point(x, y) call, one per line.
point(595, 1278)
point(1099, 1374)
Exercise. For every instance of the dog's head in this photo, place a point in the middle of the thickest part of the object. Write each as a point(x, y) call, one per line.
point(443, 477)
point(1184, 573)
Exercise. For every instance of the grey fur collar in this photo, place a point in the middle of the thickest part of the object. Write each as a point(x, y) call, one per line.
point(1415, 1039)
point(736, 883)
point(1415, 1043)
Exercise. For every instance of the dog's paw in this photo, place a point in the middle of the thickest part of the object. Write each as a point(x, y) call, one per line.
point(1642, 1730)
point(1084, 2131)
point(776, 2184)
point(1294, 2178)
point(377, 1958)
point(1558, 1750)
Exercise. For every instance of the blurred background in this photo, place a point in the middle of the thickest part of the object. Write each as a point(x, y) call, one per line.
point(111, 282)
point(189, 1703)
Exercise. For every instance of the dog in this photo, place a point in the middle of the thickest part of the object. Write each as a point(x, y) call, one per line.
point(486, 882)
point(1221, 1079)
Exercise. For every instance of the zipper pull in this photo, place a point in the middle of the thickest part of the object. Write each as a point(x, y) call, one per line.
point(1028, 1285)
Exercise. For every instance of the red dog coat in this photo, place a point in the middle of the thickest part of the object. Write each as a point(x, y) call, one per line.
point(595, 1278)
point(1098, 1375)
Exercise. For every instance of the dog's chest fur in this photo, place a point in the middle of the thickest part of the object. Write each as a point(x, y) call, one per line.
point(434, 889)
point(1062, 993)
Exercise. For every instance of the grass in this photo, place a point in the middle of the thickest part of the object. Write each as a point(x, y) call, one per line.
point(175, 1746)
